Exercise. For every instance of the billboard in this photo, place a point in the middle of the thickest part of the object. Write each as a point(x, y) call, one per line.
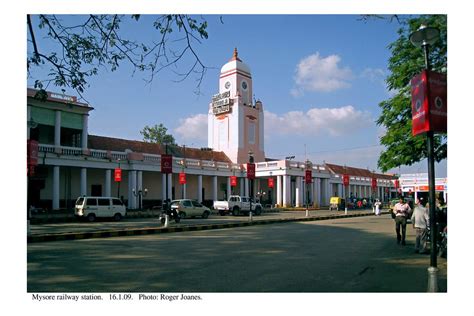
point(429, 103)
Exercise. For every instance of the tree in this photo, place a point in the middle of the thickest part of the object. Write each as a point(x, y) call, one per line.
point(157, 134)
point(74, 48)
point(401, 148)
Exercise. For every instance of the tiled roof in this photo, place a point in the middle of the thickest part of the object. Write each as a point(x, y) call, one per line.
point(358, 172)
point(117, 144)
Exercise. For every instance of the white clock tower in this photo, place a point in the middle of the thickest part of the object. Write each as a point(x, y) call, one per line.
point(235, 121)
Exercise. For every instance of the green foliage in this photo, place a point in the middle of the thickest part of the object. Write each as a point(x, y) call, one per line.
point(157, 134)
point(401, 148)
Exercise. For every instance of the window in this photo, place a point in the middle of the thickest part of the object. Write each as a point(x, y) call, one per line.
point(187, 203)
point(80, 201)
point(116, 202)
point(251, 133)
point(196, 204)
point(91, 202)
point(104, 202)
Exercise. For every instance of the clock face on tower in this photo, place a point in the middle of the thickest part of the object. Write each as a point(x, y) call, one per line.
point(227, 85)
point(244, 85)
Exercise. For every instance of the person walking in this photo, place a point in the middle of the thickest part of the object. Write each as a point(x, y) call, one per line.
point(401, 210)
point(420, 219)
point(377, 204)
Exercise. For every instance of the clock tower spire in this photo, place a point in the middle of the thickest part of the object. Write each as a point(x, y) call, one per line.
point(235, 122)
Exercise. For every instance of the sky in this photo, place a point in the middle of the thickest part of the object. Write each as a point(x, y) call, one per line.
point(320, 78)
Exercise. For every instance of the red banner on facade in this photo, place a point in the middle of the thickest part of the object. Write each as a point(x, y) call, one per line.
point(233, 181)
point(429, 103)
point(397, 184)
point(308, 176)
point(182, 178)
point(271, 183)
point(31, 156)
point(345, 180)
point(166, 164)
point(118, 175)
point(251, 171)
point(32, 152)
point(374, 183)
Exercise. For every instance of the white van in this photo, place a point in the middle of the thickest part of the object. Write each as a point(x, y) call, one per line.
point(91, 207)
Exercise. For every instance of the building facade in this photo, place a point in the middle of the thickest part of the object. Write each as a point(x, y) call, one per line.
point(69, 162)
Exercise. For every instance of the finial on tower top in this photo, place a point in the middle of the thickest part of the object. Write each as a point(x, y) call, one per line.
point(236, 55)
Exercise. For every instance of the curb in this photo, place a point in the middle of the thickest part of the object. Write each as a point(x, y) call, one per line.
point(162, 230)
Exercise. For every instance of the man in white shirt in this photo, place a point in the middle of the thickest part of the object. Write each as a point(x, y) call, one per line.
point(421, 221)
point(401, 210)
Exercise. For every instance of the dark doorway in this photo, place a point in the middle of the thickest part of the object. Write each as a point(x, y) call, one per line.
point(96, 190)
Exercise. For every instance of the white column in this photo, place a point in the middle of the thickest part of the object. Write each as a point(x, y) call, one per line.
point(139, 188)
point(199, 188)
point(132, 185)
point(139, 180)
point(229, 188)
point(108, 181)
point(311, 191)
point(317, 191)
point(163, 186)
point(214, 188)
point(55, 187)
point(83, 181)
point(328, 191)
point(184, 190)
point(298, 192)
point(246, 187)
point(85, 127)
point(286, 191)
point(279, 191)
point(170, 186)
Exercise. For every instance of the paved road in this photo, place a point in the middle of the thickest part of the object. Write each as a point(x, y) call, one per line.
point(83, 226)
point(344, 255)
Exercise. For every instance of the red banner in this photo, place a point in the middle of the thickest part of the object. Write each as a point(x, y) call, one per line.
point(374, 183)
point(429, 103)
point(345, 180)
point(32, 152)
point(118, 175)
point(308, 176)
point(271, 183)
point(251, 171)
point(182, 178)
point(233, 181)
point(166, 164)
point(397, 184)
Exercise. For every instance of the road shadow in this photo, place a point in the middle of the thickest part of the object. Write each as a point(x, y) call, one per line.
point(346, 255)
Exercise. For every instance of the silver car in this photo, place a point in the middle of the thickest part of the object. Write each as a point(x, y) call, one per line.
point(190, 208)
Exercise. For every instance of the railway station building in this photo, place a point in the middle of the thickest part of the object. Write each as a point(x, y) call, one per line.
point(65, 161)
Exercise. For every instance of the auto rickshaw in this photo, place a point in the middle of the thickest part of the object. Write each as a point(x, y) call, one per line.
point(337, 203)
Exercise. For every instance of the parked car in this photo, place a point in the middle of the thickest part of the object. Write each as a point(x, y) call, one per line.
point(91, 207)
point(190, 208)
point(237, 205)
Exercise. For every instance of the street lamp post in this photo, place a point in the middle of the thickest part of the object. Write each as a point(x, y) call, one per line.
point(118, 184)
point(251, 161)
point(424, 37)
